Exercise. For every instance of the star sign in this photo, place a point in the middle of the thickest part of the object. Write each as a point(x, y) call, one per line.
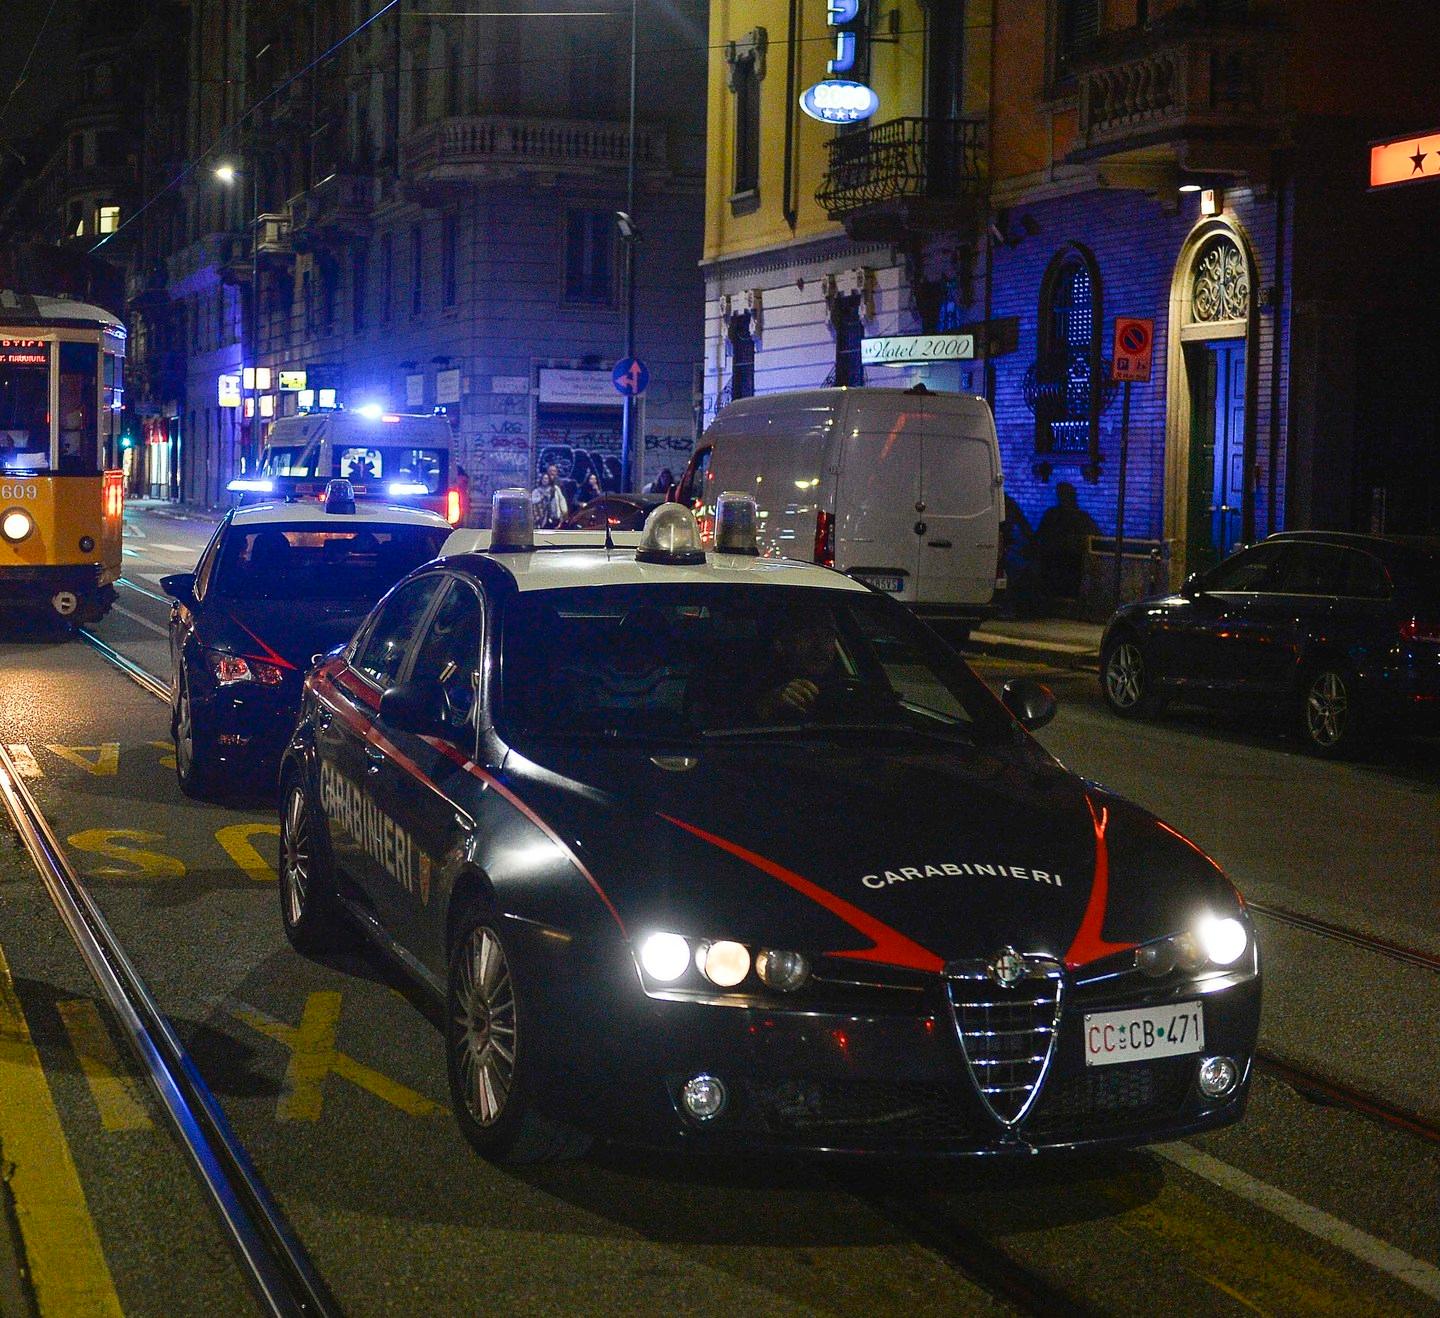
point(1418, 160)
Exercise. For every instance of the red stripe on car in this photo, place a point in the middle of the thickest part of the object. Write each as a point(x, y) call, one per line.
point(1090, 944)
point(891, 947)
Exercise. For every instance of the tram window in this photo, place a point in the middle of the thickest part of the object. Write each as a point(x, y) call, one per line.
point(24, 406)
point(79, 446)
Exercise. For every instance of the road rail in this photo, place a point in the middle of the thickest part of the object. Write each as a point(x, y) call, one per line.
point(284, 1280)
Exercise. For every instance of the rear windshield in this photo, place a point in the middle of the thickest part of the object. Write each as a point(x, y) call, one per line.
point(305, 562)
point(290, 460)
point(427, 467)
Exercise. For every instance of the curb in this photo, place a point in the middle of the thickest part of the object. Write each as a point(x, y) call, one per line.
point(1061, 654)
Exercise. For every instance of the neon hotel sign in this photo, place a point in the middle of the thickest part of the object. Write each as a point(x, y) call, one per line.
point(838, 99)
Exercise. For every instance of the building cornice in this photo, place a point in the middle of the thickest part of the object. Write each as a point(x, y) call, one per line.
point(729, 274)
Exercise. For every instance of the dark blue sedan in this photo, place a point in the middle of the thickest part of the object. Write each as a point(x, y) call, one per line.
point(1338, 634)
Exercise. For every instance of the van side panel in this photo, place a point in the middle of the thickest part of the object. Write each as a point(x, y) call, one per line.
point(876, 490)
point(958, 547)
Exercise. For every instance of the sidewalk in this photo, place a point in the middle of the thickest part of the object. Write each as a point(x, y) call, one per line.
point(1060, 641)
point(180, 512)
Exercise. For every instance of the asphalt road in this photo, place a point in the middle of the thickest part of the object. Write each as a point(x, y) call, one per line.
point(334, 1079)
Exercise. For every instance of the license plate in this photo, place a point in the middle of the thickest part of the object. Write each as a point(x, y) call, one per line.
point(1134, 1036)
point(895, 585)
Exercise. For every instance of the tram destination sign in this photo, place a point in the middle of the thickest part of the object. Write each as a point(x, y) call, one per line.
point(909, 349)
point(24, 352)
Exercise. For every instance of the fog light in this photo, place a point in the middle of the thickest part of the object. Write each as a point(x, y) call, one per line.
point(1218, 1076)
point(703, 1097)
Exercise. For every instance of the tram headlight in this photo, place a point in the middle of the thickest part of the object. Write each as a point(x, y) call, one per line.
point(16, 525)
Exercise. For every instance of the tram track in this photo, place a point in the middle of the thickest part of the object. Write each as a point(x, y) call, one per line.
point(282, 1278)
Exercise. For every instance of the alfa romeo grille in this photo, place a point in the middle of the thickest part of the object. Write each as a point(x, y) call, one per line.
point(1007, 1031)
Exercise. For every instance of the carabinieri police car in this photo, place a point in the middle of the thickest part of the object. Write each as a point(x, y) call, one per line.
point(714, 850)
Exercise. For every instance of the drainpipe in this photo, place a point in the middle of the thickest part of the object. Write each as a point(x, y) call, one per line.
point(789, 208)
point(1276, 325)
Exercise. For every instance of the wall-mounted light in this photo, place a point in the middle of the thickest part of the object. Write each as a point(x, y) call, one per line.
point(1211, 201)
point(1189, 187)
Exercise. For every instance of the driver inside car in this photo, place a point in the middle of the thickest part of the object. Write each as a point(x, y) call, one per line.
point(805, 666)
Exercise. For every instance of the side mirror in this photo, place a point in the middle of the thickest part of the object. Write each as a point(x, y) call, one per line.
point(180, 586)
point(1030, 702)
point(416, 707)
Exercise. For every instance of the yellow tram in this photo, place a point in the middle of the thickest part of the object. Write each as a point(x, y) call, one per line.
point(61, 496)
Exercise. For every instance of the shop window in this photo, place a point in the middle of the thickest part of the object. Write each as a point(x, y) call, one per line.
point(849, 334)
point(589, 258)
point(742, 356)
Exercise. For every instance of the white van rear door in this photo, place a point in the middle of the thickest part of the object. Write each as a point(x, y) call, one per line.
point(876, 492)
point(957, 549)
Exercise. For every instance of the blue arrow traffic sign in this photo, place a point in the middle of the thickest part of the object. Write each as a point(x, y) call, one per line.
point(630, 376)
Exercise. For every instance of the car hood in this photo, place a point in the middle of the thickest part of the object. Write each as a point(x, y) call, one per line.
point(285, 632)
point(904, 855)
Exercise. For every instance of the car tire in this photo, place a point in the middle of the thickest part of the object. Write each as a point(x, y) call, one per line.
point(1328, 716)
point(1127, 678)
point(493, 1040)
point(309, 909)
point(194, 751)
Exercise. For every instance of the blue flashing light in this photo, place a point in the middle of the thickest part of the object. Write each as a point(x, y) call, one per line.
point(251, 485)
point(370, 411)
point(406, 489)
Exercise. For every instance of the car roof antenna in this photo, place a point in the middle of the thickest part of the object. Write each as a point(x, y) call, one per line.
point(609, 540)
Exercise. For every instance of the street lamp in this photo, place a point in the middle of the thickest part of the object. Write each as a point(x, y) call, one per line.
point(227, 173)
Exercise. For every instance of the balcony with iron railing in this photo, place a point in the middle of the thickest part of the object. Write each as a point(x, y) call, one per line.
point(460, 152)
point(1207, 95)
point(905, 176)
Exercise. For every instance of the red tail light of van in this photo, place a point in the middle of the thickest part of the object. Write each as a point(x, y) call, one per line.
point(824, 539)
point(1418, 629)
point(453, 508)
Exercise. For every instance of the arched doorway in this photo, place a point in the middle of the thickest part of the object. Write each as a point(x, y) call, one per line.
point(1211, 379)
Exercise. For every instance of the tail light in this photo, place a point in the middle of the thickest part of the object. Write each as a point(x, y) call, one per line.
point(1001, 544)
point(453, 511)
point(1416, 629)
point(825, 539)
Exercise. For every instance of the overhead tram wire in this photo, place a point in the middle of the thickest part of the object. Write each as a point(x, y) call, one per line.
point(29, 59)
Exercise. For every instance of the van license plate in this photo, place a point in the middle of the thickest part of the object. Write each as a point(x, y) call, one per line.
point(895, 585)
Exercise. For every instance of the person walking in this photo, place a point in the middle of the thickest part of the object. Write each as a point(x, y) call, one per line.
point(548, 501)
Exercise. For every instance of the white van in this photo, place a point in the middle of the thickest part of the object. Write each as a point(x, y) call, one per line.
point(393, 456)
point(898, 488)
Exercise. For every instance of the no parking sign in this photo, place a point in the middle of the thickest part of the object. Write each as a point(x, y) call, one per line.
point(1134, 346)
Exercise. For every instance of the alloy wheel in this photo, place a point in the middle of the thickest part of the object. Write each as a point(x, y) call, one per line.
point(1327, 709)
point(184, 733)
point(1125, 675)
point(485, 1014)
point(295, 858)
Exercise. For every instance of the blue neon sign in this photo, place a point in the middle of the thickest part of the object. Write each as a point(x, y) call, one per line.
point(837, 99)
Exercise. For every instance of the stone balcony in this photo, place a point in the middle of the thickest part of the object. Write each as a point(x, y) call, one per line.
point(335, 211)
point(1192, 95)
point(480, 149)
point(905, 177)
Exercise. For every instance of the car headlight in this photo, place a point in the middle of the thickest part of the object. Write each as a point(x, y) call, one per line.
point(723, 963)
point(1214, 941)
point(230, 668)
point(16, 524)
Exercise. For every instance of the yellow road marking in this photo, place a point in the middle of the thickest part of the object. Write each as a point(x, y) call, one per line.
point(24, 760)
point(167, 761)
point(105, 763)
point(313, 1056)
point(62, 1248)
point(145, 864)
point(235, 838)
point(117, 1097)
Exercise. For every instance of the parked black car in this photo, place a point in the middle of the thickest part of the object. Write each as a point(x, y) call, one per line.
point(1338, 634)
point(621, 512)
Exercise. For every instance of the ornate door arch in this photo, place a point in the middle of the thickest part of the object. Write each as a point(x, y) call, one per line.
point(1211, 376)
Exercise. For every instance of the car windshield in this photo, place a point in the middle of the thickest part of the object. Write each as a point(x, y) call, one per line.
point(303, 561)
point(731, 662)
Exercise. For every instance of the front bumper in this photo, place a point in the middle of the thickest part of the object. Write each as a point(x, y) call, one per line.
point(35, 585)
point(893, 1080)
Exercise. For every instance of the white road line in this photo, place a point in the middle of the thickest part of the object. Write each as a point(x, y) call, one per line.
point(143, 622)
point(1424, 1277)
point(173, 549)
point(25, 763)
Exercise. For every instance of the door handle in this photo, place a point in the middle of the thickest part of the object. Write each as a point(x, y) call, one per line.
point(938, 544)
point(323, 719)
point(920, 528)
point(373, 759)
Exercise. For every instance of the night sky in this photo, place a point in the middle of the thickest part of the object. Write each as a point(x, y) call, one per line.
point(47, 85)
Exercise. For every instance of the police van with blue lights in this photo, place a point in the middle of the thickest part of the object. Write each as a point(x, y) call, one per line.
point(278, 585)
point(393, 457)
point(728, 852)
